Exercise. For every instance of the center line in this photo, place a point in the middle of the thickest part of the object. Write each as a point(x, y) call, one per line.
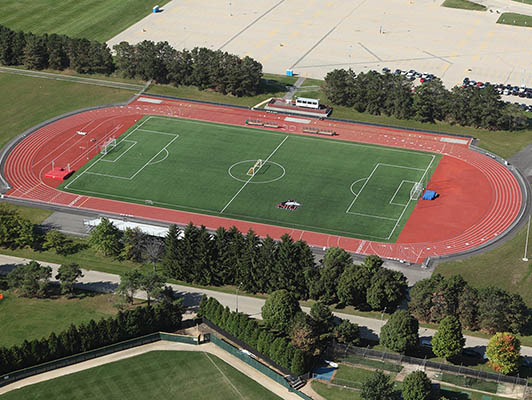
point(251, 177)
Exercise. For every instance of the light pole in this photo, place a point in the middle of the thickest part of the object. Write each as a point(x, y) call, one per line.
point(238, 287)
point(382, 316)
point(526, 243)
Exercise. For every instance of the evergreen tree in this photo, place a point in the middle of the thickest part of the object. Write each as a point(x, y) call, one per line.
point(347, 332)
point(31, 279)
point(279, 310)
point(134, 240)
point(387, 290)
point(266, 260)
point(67, 275)
point(171, 262)
point(106, 238)
point(416, 386)
point(400, 333)
point(353, 285)
point(35, 53)
point(298, 363)
point(377, 387)
point(448, 341)
point(334, 262)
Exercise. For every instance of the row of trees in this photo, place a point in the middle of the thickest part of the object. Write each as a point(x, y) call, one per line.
point(33, 279)
point(393, 95)
point(125, 325)
point(265, 265)
point(490, 309)
point(416, 386)
point(288, 336)
point(201, 67)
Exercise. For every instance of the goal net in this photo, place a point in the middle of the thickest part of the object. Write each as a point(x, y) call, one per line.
point(108, 145)
point(253, 170)
point(416, 191)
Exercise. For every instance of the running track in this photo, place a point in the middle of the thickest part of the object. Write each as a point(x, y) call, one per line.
point(480, 197)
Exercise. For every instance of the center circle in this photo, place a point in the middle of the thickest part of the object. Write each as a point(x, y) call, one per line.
point(256, 178)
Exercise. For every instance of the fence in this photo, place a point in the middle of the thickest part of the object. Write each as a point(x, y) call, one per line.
point(470, 376)
point(89, 355)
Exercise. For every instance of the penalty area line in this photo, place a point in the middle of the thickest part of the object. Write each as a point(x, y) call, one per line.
point(251, 177)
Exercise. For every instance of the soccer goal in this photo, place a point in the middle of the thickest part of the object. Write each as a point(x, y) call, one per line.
point(253, 170)
point(108, 145)
point(416, 191)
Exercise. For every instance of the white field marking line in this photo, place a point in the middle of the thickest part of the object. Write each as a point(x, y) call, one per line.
point(397, 191)
point(101, 155)
point(225, 376)
point(165, 157)
point(409, 200)
point(362, 188)
point(158, 132)
point(108, 176)
point(372, 216)
point(402, 166)
point(151, 159)
point(248, 218)
point(124, 152)
point(251, 177)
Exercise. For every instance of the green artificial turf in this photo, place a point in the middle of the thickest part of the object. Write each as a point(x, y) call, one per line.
point(31, 318)
point(464, 4)
point(161, 375)
point(91, 19)
point(515, 19)
point(202, 167)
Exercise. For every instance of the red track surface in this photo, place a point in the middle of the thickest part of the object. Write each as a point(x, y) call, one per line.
point(480, 197)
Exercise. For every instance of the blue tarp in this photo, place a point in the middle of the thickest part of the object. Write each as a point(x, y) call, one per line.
point(429, 195)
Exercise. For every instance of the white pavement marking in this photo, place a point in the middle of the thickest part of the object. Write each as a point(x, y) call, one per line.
point(251, 177)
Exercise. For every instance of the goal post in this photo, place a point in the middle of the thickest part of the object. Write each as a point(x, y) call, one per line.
point(253, 170)
point(108, 145)
point(416, 191)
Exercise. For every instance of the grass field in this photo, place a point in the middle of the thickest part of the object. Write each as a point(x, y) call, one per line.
point(464, 4)
point(24, 318)
point(345, 188)
point(39, 99)
point(162, 375)
point(524, 1)
point(91, 19)
point(515, 19)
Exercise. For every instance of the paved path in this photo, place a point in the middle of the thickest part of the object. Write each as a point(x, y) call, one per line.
point(104, 282)
point(293, 89)
point(211, 348)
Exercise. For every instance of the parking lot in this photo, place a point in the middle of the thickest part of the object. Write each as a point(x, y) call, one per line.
point(313, 37)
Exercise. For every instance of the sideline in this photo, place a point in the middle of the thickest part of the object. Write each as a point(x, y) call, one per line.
point(164, 345)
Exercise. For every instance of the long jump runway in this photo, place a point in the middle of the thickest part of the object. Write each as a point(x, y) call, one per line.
point(480, 197)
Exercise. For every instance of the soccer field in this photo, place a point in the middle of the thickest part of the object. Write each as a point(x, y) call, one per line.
point(342, 188)
point(155, 375)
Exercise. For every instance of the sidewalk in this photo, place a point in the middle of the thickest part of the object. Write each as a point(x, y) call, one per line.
point(104, 282)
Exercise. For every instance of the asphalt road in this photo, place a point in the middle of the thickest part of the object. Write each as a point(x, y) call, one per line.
point(104, 282)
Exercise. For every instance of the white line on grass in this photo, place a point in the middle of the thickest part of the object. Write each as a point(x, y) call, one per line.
point(151, 159)
point(251, 177)
point(124, 152)
point(397, 191)
point(161, 133)
point(409, 200)
point(225, 377)
point(362, 188)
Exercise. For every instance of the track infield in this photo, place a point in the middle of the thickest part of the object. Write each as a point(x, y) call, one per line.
point(344, 188)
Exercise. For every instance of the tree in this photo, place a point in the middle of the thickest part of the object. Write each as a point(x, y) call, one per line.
point(35, 53)
point(130, 282)
point(448, 341)
point(153, 248)
point(152, 283)
point(279, 310)
point(503, 352)
point(353, 285)
point(56, 240)
point(416, 386)
point(304, 336)
point(298, 363)
point(388, 289)
point(106, 238)
point(377, 387)
point(421, 294)
point(322, 317)
point(134, 240)
point(339, 85)
point(347, 332)
point(468, 308)
point(400, 333)
point(67, 275)
point(431, 101)
point(334, 263)
point(32, 279)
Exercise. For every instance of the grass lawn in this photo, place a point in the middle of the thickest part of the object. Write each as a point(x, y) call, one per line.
point(464, 4)
point(155, 375)
point(39, 99)
point(271, 86)
point(344, 188)
point(34, 214)
point(354, 377)
point(515, 19)
point(501, 267)
point(91, 19)
point(30, 318)
point(334, 392)
point(453, 393)
point(524, 1)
